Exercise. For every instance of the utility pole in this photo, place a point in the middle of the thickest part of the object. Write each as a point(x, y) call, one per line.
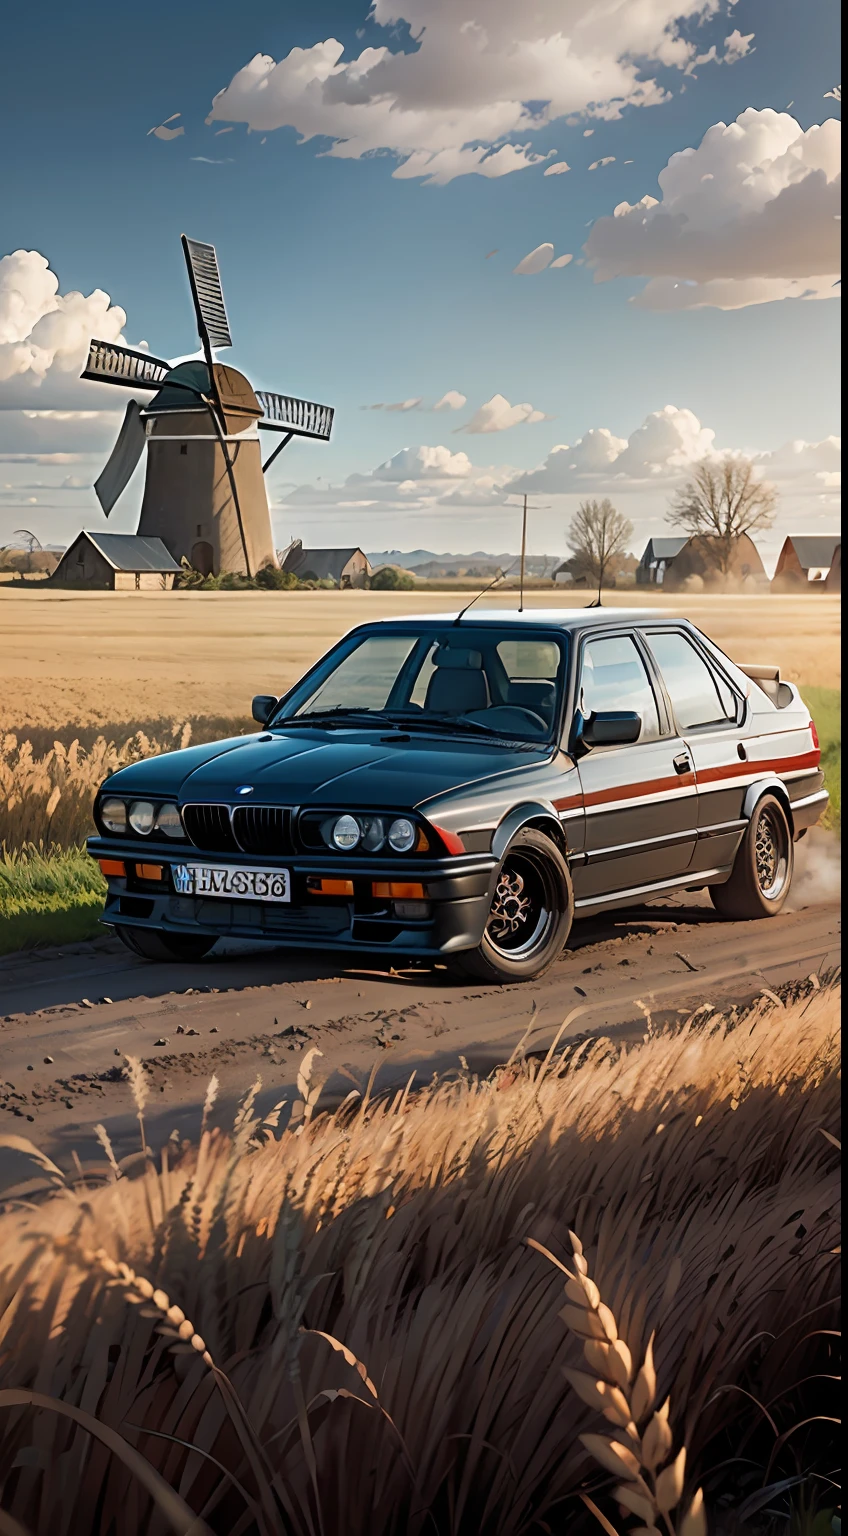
point(544, 508)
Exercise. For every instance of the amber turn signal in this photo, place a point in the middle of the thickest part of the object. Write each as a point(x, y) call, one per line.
point(399, 890)
point(318, 887)
point(112, 866)
point(149, 872)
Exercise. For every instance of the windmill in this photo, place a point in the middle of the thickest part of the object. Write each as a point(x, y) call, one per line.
point(204, 491)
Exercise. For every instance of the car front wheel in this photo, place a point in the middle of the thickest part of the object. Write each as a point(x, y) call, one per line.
point(153, 944)
point(762, 870)
point(530, 916)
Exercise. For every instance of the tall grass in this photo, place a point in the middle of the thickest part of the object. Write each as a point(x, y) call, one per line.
point(341, 1326)
point(48, 783)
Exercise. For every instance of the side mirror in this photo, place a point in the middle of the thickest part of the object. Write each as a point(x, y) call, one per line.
point(612, 728)
point(264, 705)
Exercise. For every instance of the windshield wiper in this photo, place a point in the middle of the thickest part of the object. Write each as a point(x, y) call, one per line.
point(339, 715)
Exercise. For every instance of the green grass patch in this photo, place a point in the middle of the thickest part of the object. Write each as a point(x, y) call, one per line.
point(48, 899)
point(825, 706)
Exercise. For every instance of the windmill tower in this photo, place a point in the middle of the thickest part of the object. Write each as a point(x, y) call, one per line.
point(204, 491)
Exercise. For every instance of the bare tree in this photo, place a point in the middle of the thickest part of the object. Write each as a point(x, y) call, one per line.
point(722, 500)
point(597, 534)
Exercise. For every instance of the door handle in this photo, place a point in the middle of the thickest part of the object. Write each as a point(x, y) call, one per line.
point(683, 763)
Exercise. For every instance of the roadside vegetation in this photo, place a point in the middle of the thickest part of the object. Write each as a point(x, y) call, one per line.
point(825, 706)
point(593, 1291)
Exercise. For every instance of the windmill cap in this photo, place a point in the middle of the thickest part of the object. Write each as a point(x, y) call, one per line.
point(232, 388)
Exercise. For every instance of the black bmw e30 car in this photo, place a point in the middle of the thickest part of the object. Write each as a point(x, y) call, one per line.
point(464, 788)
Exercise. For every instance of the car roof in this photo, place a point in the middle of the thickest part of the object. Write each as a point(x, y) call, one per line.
point(550, 618)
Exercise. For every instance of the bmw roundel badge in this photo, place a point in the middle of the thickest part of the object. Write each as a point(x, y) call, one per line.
point(244, 789)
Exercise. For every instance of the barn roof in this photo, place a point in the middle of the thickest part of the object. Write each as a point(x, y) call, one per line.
point(663, 549)
point(132, 551)
point(815, 550)
point(324, 562)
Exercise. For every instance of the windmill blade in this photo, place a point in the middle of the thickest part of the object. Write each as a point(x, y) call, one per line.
point(285, 413)
point(116, 476)
point(111, 363)
point(212, 323)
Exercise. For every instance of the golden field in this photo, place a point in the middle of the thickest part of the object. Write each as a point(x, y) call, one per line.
point(317, 1324)
point(103, 658)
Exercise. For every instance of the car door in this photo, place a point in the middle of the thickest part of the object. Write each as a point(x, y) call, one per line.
point(639, 800)
point(708, 713)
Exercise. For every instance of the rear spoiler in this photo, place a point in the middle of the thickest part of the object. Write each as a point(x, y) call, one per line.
point(769, 680)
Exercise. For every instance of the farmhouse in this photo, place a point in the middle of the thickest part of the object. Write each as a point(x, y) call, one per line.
point(346, 567)
point(806, 560)
point(658, 558)
point(116, 562)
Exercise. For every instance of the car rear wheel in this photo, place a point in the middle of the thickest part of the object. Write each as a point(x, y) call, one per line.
point(530, 916)
point(153, 944)
point(762, 871)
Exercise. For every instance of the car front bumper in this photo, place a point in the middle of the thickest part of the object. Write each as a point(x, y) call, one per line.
point(458, 897)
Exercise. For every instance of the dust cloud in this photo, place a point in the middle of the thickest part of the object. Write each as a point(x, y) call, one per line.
point(818, 870)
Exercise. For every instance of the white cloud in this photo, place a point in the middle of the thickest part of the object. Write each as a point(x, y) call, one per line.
point(562, 261)
point(44, 336)
point(749, 217)
point(587, 133)
point(737, 47)
point(497, 415)
point(164, 132)
point(423, 463)
point(557, 170)
point(446, 106)
point(665, 443)
point(535, 261)
point(404, 405)
point(452, 401)
point(597, 164)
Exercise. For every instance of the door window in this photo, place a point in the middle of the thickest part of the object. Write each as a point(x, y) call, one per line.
point(614, 677)
point(698, 696)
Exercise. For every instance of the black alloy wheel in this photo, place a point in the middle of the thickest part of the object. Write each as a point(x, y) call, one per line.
point(154, 944)
point(531, 913)
point(762, 871)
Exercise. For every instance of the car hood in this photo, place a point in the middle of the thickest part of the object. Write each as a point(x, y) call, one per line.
point(337, 767)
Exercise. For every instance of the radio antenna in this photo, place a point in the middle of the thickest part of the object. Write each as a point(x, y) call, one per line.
point(500, 576)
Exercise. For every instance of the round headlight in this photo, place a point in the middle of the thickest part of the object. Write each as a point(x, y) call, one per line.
point(113, 814)
point(142, 816)
point(346, 832)
point(402, 835)
point(168, 821)
point(374, 833)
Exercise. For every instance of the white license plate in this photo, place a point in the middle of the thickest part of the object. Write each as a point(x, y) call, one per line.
point(232, 882)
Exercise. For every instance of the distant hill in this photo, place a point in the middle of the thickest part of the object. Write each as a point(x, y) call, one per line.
point(479, 562)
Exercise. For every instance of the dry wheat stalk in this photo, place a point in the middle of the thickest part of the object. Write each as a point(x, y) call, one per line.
point(653, 1477)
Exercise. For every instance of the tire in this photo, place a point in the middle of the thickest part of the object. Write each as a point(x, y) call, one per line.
point(762, 869)
point(153, 944)
point(531, 913)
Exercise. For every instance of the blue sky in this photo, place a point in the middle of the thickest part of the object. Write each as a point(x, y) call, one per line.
point(349, 284)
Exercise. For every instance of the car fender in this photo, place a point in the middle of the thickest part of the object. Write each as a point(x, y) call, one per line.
point(538, 813)
point(769, 785)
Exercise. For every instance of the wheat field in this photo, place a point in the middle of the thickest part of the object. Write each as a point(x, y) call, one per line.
point(105, 658)
point(318, 1324)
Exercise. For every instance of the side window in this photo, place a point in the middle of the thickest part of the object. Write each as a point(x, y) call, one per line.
point(613, 676)
point(698, 696)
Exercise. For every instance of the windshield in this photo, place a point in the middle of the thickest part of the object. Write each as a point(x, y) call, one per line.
point(480, 680)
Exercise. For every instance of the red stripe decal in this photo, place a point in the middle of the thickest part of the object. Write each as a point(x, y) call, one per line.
point(728, 771)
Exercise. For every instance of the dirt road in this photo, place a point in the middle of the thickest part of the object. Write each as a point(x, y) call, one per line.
point(68, 1018)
